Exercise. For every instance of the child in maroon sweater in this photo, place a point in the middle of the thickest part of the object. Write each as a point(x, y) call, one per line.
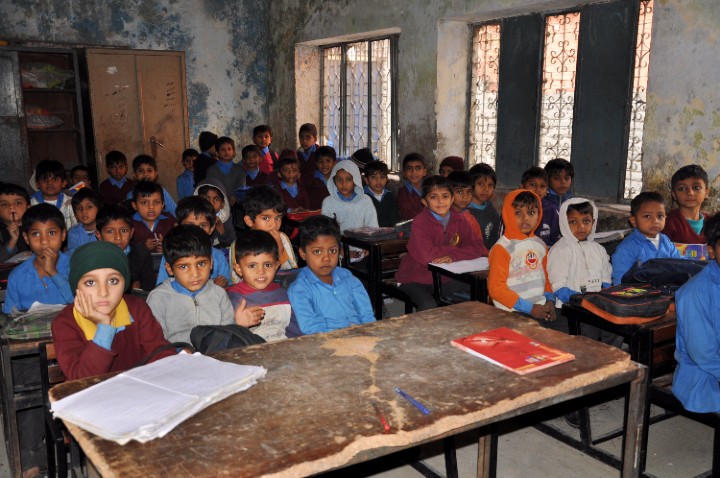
point(409, 196)
point(288, 183)
point(689, 186)
point(104, 330)
point(439, 235)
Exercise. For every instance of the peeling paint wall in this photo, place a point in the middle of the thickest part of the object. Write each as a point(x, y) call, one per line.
point(225, 45)
point(682, 124)
point(683, 119)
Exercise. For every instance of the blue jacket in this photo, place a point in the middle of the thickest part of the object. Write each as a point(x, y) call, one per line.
point(696, 381)
point(184, 184)
point(221, 267)
point(78, 236)
point(320, 307)
point(636, 248)
point(25, 286)
point(549, 228)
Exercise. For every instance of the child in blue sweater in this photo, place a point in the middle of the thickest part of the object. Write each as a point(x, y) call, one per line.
point(44, 276)
point(647, 217)
point(85, 203)
point(325, 297)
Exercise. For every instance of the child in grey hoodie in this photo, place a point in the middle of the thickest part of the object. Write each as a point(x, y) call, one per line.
point(347, 203)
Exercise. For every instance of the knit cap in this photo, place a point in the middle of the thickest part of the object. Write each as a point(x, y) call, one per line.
point(362, 157)
point(97, 255)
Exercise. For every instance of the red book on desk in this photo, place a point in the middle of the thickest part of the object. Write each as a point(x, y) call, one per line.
point(512, 350)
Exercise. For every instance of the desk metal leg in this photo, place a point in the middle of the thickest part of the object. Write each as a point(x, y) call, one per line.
point(12, 440)
point(634, 426)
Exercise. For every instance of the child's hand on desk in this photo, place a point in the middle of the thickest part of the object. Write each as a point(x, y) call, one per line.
point(221, 281)
point(442, 260)
point(84, 305)
point(50, 259)
point(248, 316)
point(544, 312)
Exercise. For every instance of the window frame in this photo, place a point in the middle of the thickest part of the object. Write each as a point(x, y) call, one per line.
point(394, 40)
point(627, 122)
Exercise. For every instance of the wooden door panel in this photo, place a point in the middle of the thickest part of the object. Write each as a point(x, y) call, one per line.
point(115, 105)
point(164, 109)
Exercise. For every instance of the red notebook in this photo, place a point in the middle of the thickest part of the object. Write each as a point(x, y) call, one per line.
point(512, 350)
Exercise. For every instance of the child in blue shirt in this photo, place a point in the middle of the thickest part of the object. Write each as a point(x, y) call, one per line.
point(145, 169)
point(184, 182)
point(325, 297)
point(44, 276)
point(14, 201)
point(647, 216)
point(51, 181)
point(85, 203)
point(197, 211)
point(229, 173)
point(697, 377)
point(560, 174)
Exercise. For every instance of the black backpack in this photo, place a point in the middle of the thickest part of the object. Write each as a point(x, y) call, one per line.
point(664, 273)
point(215, 338)
point(629, 303)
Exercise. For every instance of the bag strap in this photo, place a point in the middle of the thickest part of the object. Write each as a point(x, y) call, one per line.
point(163, 348)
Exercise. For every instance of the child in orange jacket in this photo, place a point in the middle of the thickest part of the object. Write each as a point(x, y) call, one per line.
point(518, 278)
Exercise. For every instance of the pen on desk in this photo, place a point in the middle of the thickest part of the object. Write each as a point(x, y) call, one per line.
point(380, 415)
point(417, 404)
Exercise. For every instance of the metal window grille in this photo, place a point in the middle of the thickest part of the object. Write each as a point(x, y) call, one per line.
point(633, 171)
point(558, 86)
point(358, 98)
point(484, 94)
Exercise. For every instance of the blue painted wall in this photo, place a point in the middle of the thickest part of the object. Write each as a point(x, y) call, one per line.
point(225, 44)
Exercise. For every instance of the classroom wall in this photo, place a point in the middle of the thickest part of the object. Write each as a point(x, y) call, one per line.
point(225, 45)
point(682, 123)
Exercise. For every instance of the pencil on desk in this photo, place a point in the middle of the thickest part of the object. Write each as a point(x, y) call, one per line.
point(417, 404)
point(381, 416)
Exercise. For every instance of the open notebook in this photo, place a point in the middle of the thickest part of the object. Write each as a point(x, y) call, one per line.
point(147, 402)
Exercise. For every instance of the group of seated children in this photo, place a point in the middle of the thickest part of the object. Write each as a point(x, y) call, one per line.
point(540, 254)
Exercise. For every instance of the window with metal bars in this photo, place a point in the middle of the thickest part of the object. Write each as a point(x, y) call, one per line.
point(358, 98)
point(568, 85)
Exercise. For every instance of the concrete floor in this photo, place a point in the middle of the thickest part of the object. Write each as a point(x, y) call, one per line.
point(678, 447)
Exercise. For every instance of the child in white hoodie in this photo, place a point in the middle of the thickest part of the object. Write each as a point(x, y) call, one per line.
point(347, 203)
point(576, 263)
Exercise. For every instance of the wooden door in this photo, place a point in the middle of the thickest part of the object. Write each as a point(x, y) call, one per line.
point(138, 103)
point(13, 143)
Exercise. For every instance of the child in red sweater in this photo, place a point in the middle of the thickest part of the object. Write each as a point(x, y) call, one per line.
point(439, 235)
point(684, 225)
point(104, 330)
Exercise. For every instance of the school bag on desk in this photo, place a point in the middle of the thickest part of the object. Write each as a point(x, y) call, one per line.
point(627, 304)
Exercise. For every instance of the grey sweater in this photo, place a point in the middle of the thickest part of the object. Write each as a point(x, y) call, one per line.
point(178, 313)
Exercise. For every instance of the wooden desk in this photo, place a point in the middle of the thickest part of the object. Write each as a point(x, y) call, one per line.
point(312, 412)
point(16, 397)
point(377, 269)
point(651, 344)
point(476, 280)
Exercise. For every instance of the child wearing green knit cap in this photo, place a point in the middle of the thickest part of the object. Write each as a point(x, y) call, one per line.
point(104, 330)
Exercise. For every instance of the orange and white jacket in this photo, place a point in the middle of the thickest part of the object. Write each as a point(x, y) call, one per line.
point(518, 265)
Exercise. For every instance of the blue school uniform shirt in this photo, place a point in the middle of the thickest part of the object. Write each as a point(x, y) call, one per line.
point(221, 267)
point(184, 184)
point(26, 287)
point(636, 248)
point(696, 382)
point(78, 236)
point(320, 307)
point(170, 205)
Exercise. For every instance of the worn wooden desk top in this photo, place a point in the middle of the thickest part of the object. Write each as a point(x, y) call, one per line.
point(312, 412)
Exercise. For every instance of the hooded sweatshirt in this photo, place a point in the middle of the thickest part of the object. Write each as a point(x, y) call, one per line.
point(574, 264)
point(349, 213)
point(518, 277)
point(225, 215)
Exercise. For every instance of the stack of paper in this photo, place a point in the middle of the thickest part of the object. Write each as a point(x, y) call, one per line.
point(147, 402)
point(471, 265)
